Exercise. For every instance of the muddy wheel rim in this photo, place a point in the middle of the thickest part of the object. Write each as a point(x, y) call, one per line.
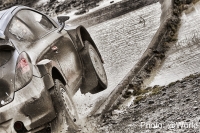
point(68, 104)
point(98, 66)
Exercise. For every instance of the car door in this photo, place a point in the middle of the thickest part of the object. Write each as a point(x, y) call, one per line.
point(44, 42)
point(69, 60)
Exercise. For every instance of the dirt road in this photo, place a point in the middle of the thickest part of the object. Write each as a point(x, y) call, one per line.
point(121, 41)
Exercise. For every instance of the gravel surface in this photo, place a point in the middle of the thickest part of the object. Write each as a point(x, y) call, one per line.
point(169, 109)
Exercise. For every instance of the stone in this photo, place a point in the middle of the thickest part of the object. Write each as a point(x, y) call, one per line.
point(151, 102)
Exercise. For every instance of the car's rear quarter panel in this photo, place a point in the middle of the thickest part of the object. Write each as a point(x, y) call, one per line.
point(31, 105)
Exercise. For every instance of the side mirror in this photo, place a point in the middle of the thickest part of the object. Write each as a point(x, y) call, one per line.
point(61, 20)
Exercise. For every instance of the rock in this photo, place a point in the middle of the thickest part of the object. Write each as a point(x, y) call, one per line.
point(164, 89)
point(82, 11)
point(113, 122)
point(182, 86)
point(133, 119)
point(116, 112)
point(188, 99)
point(187, 120)
point(171, 100)
point(195, 90)
point(129, 91)
point(196, 108)
point(122, 99)
point(151, 102)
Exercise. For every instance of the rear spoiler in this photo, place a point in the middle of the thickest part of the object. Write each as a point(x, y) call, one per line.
point(2, 36)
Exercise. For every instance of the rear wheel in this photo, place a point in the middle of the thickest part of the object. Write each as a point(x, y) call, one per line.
point(65, 110)
point(98, 67)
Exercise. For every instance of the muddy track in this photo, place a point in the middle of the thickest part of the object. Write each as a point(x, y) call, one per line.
point(121, 41)
point(155, 53)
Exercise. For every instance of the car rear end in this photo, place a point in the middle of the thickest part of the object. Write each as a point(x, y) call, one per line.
point(25, 103)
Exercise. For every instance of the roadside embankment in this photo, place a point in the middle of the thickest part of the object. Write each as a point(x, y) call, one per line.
point(152, 57)
point(173, 108)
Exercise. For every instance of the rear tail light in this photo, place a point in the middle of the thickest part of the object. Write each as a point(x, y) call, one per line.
point(24, 71)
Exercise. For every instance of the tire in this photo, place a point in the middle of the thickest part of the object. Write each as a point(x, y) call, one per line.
point(98, 67)
point(66, 113)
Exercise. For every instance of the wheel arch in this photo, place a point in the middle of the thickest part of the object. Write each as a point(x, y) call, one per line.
point(50, 67)
point(55, 73)
point(79, 34)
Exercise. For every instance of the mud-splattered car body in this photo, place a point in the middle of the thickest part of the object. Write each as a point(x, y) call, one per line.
point(34, 52)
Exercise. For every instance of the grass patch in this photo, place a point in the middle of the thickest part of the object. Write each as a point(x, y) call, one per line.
point(142, 91)
point(191, 76)
point(156, 90)
point(139, 98)
point(171, 84)
point(152, 91)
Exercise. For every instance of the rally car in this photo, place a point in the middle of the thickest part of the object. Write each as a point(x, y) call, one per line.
point(43, 63)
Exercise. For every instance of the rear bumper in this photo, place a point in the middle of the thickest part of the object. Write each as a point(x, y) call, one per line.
point(32, 105)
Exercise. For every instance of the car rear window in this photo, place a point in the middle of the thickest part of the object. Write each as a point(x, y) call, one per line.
point(4, 56)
